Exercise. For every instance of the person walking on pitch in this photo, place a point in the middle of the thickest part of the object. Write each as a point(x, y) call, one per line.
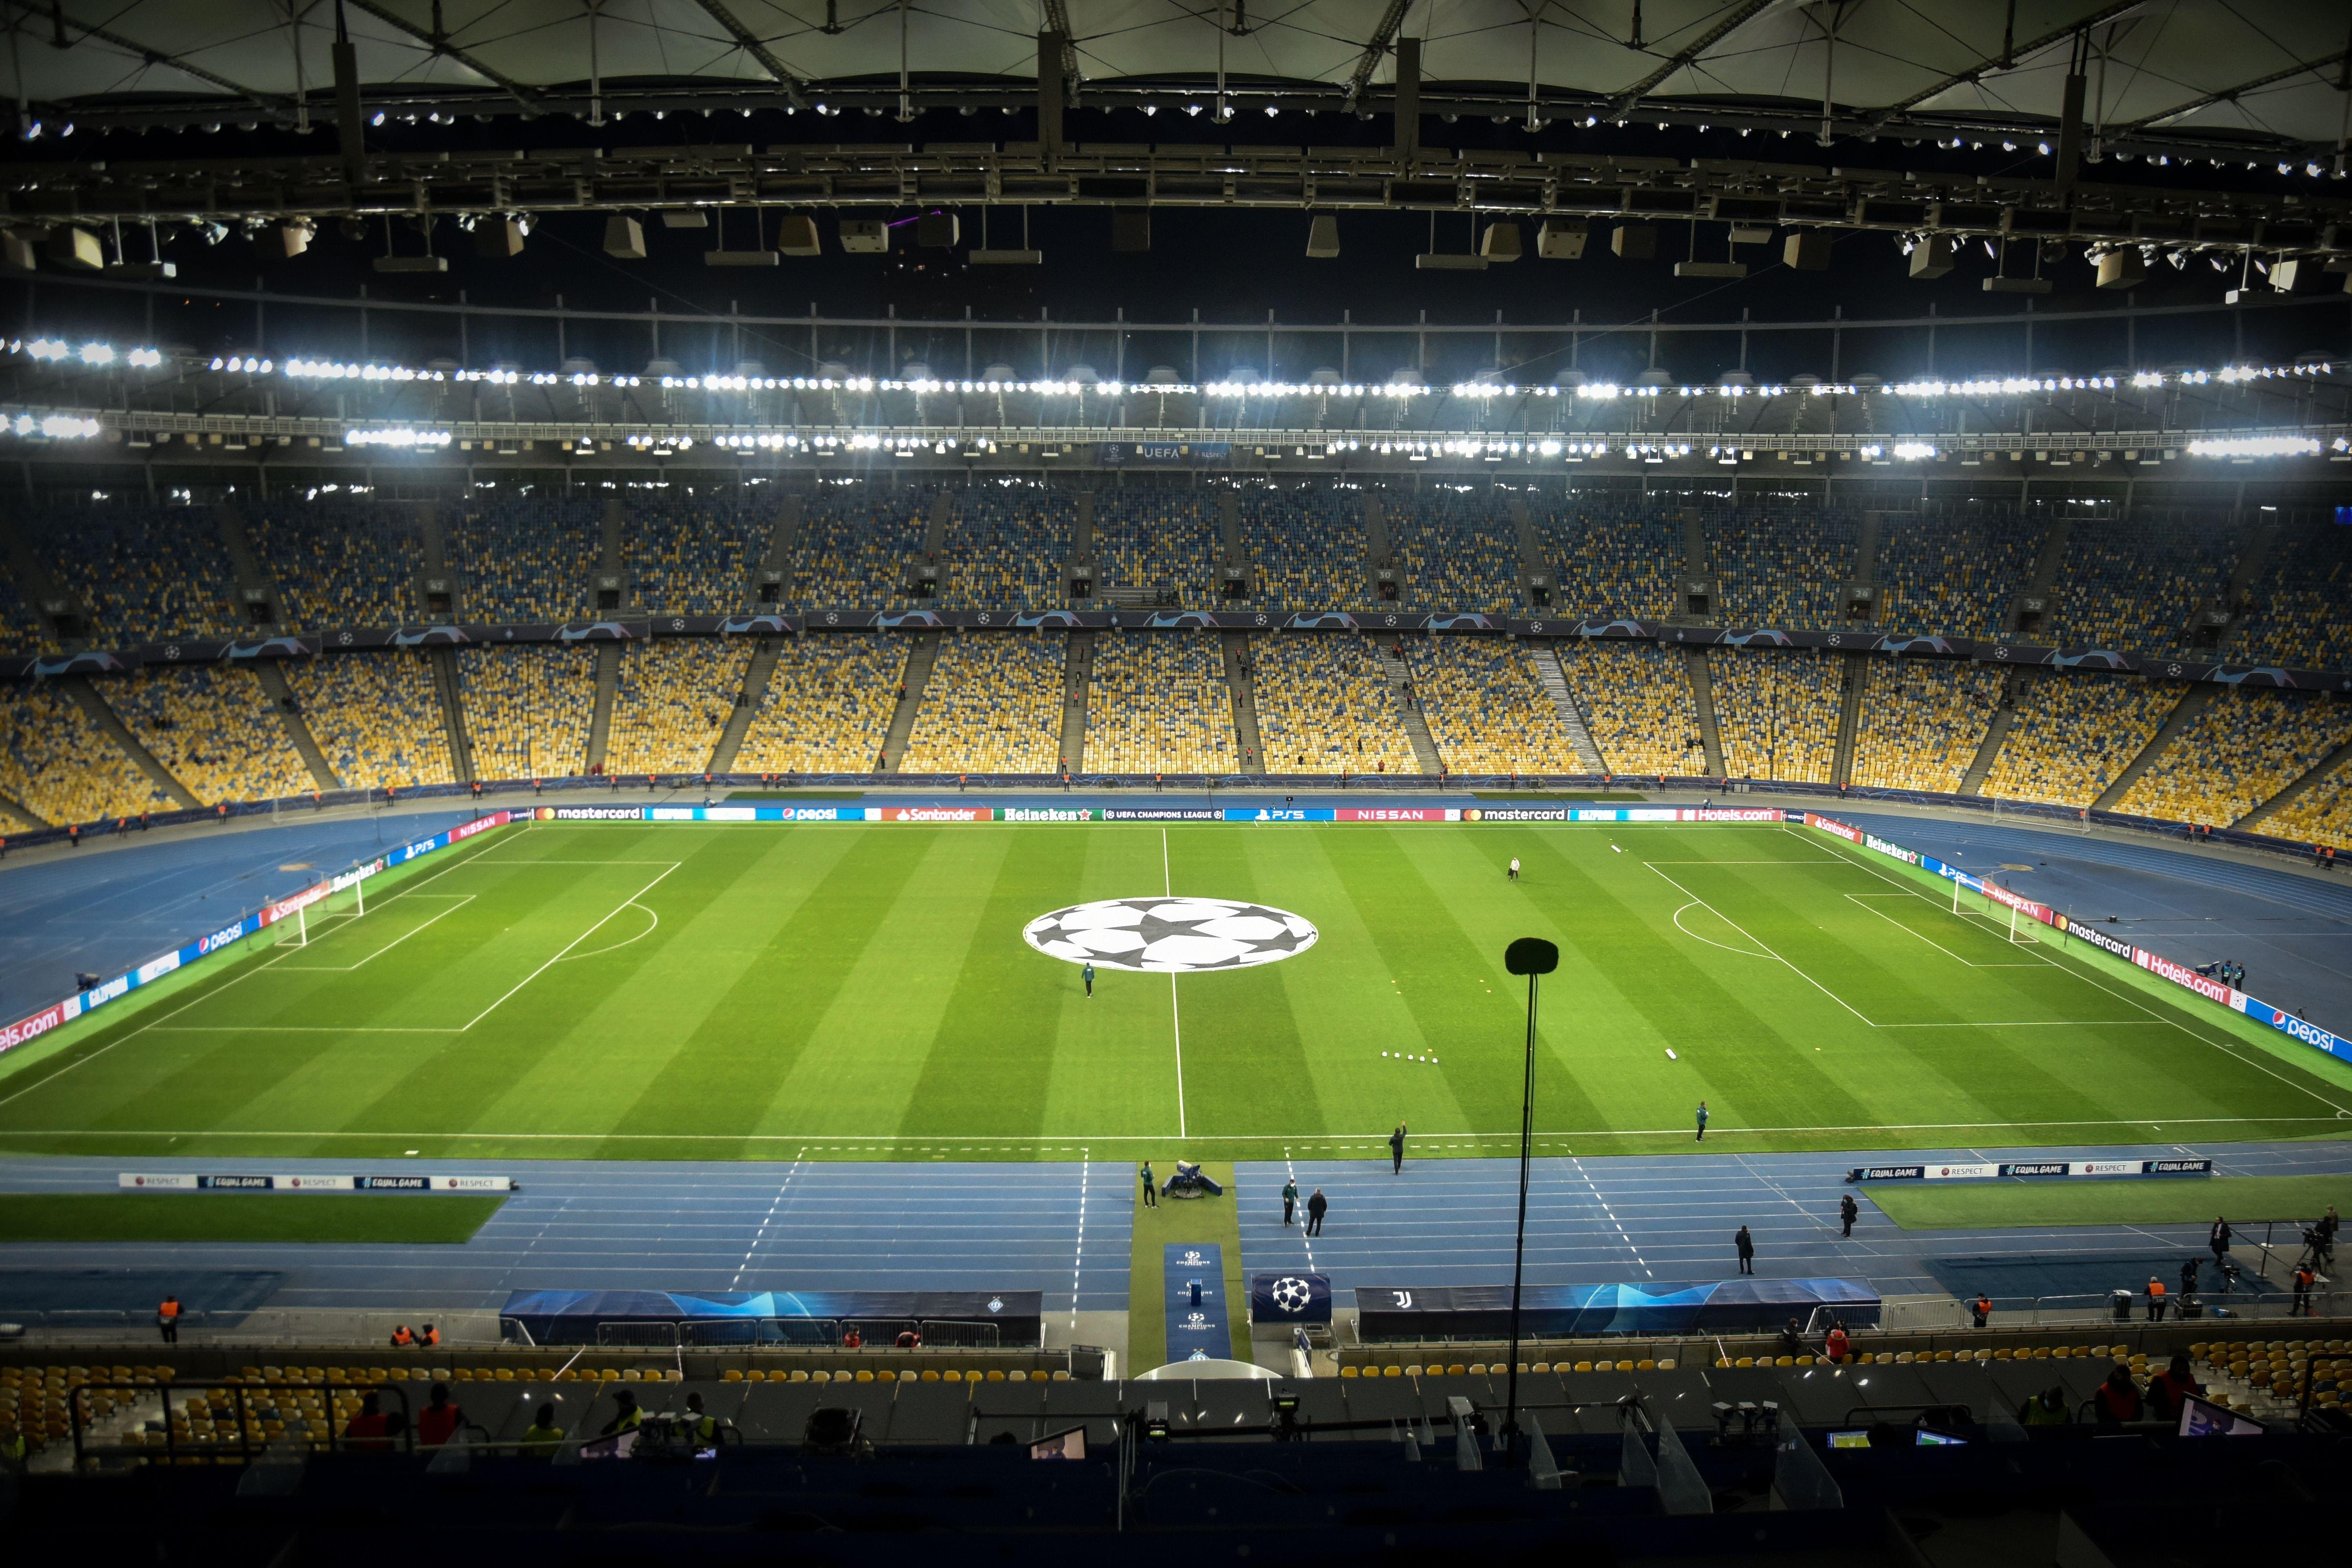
point(1702, 1122)
point(1087, 974)
point(1151, 1188)
point(1290, 1198)
point(1514, 868)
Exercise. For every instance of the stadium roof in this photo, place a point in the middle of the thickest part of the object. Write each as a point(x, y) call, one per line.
point(2264, 78)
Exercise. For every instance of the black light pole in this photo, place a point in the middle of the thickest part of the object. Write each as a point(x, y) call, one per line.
point(1531, 956)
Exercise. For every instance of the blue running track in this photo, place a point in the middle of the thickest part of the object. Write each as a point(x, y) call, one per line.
point(119, 902)
point(1065, 1229)
point(1669, 1219)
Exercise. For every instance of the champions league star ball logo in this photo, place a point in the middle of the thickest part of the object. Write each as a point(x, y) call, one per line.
point(1171, 935)
point(1292, 1294)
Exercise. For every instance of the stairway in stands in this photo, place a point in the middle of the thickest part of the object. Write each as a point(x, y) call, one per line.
point(920, 660)
point(754, 692)
point(1702, 684)
point(100, 712)
point(1416, 727)
point(1242, 685)
point(1077, 678)
point(1997, 732)
point(608, 654)
point(2176, 723)
point(1554, 678)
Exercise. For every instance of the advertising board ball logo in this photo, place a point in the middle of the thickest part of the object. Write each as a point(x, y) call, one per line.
point(1292, 1294)
point(1171, 935)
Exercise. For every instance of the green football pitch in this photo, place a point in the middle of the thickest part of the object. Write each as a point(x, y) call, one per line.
point(862, 992)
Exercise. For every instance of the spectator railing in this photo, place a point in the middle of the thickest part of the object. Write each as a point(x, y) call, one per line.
point(245, 1400)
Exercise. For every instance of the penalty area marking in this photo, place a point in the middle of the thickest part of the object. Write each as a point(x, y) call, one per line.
point(653, 925)
point(1864, 901)
point(346, 917)
point(2082, 970)
point(630, 903)
point(1743, 952)
point(1864, 1018)
point(459, 859)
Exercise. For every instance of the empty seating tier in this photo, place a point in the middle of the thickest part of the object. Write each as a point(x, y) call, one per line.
point(528, 710)
point(2073, 735)
point(1486, 712)
point(60, 766)
point(1639, 704)
point(1923, 722)
point(827, 706)
point(212, 727)
point(2244, 748)
point(675, 696)
point(994, 704)
point(1159, 705)
point(1324, 706)
point(376, 717)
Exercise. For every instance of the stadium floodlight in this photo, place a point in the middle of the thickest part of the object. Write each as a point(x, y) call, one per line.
point(2255, 446)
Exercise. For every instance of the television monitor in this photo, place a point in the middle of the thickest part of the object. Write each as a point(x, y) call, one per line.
point(1069, 1444)
point(1925, 1438)
point(2203, 1418)
point(1856, 1439)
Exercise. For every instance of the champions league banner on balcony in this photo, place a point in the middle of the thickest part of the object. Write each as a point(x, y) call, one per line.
point(769, 626)
point(214, 651)
point(1483, 1311)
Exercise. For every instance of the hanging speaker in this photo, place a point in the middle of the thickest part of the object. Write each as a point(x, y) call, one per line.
point(624, 238)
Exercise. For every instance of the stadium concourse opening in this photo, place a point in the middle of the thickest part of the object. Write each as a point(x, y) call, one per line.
point(709, 847)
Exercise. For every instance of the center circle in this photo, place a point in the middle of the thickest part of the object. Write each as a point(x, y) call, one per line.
point(1168, 935)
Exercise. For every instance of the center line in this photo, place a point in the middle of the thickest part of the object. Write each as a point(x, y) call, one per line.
point(1175, 1014)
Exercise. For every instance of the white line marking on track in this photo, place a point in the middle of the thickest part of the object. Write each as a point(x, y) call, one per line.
point(761, 1234)
point(1079, 1261)
point(1595, 1189)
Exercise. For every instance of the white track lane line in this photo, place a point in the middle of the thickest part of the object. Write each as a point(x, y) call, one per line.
point(761, 1234)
